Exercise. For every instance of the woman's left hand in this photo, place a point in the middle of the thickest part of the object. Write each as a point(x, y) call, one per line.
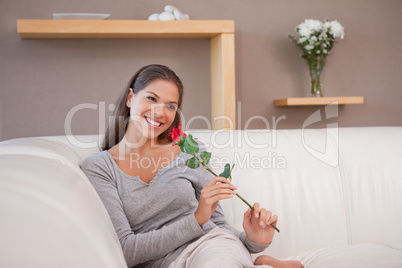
point(257, 224)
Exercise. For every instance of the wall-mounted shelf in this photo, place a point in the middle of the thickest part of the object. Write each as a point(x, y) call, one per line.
point(57, 29)
point(220, 32)
point(319, 101)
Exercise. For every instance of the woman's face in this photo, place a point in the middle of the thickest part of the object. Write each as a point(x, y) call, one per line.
point(153, 109)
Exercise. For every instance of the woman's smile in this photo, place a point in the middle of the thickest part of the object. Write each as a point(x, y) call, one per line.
point(152, 122)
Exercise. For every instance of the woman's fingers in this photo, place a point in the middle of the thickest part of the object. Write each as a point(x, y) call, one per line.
point(264, 216)
point(215, 180)
point(222, 186)
point(248, 213)
point(218, 194)
point(222, 192)
point(218, 185)
point(217, 189)
point(273, 220)
point(216, 198)
point(256, 210)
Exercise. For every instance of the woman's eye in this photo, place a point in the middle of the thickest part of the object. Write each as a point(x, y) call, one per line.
point(172, 107)
point(151, 98)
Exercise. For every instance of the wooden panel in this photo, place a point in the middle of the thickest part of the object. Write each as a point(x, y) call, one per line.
point(57, 29)
point(319, 101)
point(223, 93)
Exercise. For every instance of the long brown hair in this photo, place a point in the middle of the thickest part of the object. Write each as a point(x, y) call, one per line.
point(120, 117)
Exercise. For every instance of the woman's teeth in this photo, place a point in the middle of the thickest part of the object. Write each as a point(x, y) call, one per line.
point(152, 122)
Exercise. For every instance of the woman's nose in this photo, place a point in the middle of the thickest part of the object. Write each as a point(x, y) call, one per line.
point(157, 110)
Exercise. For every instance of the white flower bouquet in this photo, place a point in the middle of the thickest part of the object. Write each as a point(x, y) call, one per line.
point(316, 39)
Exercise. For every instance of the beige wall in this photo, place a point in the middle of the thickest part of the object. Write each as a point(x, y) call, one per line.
point(42, 80)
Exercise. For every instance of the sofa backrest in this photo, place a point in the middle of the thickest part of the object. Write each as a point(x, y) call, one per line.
point(329, 187)
point(51, 216)
point(276, 170)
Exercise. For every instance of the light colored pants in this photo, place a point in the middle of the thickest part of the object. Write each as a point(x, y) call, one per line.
point(217, 249)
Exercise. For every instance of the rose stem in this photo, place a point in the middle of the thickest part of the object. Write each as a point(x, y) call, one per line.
point(239, 196)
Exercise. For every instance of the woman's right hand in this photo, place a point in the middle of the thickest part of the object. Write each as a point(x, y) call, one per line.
point(218, 188)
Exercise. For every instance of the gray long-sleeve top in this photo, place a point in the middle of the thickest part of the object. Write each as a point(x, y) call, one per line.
point(155, 222)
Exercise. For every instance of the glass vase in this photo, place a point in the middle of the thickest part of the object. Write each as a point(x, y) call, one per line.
point(316, 85)
point(316, 88)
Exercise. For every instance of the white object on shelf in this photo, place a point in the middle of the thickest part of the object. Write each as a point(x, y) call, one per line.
point(179, 15)
point(170, 8)
point(154, 16)
point(80, 16)
point(170, 13)
point(166, 16)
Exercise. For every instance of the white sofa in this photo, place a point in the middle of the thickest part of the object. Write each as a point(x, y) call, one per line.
point(337, 192)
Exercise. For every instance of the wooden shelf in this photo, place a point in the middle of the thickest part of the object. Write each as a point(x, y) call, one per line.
point(319, 101)
point(220, 33)
point(59, 29)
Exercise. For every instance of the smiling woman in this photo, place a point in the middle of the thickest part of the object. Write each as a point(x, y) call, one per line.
point(164, 214)
point(141, 80)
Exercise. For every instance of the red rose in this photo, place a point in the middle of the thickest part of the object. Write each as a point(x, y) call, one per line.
point(176, 133)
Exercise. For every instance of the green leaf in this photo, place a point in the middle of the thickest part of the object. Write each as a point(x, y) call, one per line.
point(182, 138)
point(205, 156)
point(226, 172)
point(181, 141)
point(190, 145)
point(181, 145)
point(193, 163)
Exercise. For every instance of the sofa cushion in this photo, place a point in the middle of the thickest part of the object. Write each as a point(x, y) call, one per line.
point(52, 218)
point(370, 167)
point(367, 255)
point(83, 145)
point(41, 147)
